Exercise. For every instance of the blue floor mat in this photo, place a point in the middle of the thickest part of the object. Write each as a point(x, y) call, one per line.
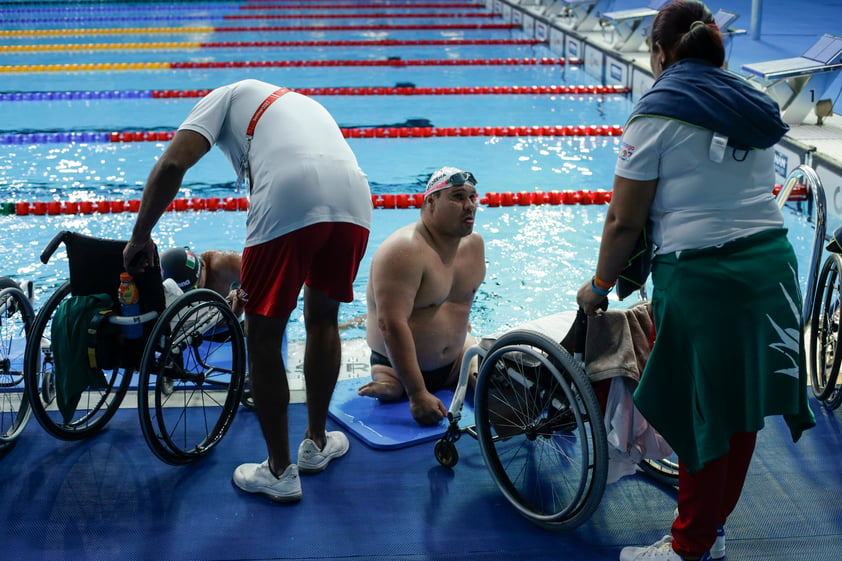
point(108, 497)
point(386, 426)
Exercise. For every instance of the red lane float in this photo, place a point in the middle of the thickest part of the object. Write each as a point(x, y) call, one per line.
point(407, 90)
point(385, 201)
point(798, 193)
point(417, 132)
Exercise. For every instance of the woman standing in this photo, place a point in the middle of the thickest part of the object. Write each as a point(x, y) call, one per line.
point(696, 162)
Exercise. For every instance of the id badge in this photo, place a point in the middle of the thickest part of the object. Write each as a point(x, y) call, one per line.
point(718, 144)
point(244, 177)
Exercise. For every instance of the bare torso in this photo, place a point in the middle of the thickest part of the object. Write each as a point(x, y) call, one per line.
point(439, 318)
point(221, 268)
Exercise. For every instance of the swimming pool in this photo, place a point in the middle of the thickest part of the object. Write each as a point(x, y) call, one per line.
point(537, 255)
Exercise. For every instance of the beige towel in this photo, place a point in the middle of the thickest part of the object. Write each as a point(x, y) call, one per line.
point(619, 343)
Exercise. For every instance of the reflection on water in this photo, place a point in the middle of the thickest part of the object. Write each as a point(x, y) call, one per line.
point(537, 256)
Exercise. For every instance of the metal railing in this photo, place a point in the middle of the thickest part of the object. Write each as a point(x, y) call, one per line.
point(804, 175)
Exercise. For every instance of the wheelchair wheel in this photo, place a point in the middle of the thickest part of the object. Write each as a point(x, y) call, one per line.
point(97, 404)
point(663, 471)
point(541, 430)
point(16, 317)
point(824, 355)
point(191, 377)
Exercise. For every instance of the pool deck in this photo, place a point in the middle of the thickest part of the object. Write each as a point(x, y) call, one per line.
point(786, 30)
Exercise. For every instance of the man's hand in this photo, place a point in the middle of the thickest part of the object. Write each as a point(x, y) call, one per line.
point(426, 408)
point(235, 299)
point(138, 255)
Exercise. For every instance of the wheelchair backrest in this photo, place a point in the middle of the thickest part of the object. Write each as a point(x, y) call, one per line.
point(95, 267)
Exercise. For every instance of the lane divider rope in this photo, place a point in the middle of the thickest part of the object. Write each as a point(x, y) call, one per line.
point(385, 201)
point(361, 6)
point(256, 29)
point(324, 91)
point(94, 137)
point(375, 15)
point(192, 45)
point(391, 62)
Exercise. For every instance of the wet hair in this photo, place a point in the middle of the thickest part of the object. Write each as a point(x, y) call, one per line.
point(686, 29)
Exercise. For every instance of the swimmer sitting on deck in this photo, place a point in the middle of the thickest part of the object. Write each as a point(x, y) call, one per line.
point(421, 287)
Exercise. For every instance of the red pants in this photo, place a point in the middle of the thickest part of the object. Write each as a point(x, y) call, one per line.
point(706, 498)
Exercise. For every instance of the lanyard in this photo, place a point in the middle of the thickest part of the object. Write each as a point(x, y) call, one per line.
point(245, 168)
point(261, 109)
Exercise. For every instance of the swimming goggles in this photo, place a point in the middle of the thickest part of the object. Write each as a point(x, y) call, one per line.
point(455, 180)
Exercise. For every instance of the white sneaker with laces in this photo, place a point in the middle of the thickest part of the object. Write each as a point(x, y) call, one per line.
point(313, 460)
point(661, 550)
point(258, 478)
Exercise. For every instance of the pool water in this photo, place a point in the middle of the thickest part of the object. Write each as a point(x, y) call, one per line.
point(537, 255)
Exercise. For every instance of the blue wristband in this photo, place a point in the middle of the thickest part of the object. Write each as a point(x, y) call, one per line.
point(600, 291)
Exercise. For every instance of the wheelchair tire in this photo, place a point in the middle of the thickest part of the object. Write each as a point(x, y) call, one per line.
point(663, 471)
point(824, 353)
point(540, 430)
point(16, 319)
point(96, 406)
point(191, 377)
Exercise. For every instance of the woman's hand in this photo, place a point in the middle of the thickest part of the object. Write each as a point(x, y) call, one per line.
point(590, 301)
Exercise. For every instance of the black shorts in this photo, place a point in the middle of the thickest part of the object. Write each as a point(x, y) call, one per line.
point(434, 380)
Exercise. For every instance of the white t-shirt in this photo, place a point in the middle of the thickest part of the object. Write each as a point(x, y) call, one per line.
point(698, 202)
point(302, 169)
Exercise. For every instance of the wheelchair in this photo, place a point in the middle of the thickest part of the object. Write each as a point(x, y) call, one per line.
point(16, 318)
point(825, 354)
point(540, 427)
point(190, 362)
point(823, 292)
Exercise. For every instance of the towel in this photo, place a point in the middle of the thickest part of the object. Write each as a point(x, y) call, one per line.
point(618, 343)
point(617, 346)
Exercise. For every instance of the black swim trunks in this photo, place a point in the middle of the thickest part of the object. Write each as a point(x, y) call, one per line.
point(434, 380)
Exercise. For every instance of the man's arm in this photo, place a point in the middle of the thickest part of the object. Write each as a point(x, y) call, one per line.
point(162, 185)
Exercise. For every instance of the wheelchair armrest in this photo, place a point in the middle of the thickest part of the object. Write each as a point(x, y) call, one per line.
point(53, 245)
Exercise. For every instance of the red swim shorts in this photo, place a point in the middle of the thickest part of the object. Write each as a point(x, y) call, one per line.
point(325, 256)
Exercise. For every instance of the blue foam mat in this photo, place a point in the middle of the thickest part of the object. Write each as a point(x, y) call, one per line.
point(386, 426)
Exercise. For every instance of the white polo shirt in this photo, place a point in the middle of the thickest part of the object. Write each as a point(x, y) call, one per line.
point(698, 202)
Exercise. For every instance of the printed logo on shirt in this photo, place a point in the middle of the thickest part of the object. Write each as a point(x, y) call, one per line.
point(626, 151)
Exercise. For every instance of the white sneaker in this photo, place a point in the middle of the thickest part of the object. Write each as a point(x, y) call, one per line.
point(258, 478)
point(661, 550)
point(313, 460)
point(717, 550)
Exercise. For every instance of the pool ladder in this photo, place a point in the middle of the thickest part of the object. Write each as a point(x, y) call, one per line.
point(805, 175)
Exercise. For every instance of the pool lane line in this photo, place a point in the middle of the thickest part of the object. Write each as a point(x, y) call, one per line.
point(213, 204)
point(392, 62)
point(378, 201)
point(257, 29)
point(193, 45)
point(362, 6)
point(105, 19)
point(100, 137)
point(324, 91)
point(68, 8)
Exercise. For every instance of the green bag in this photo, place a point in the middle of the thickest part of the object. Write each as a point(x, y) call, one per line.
point(69, 332)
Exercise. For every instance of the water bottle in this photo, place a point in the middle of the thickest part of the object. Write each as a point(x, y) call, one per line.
point(128, 296)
